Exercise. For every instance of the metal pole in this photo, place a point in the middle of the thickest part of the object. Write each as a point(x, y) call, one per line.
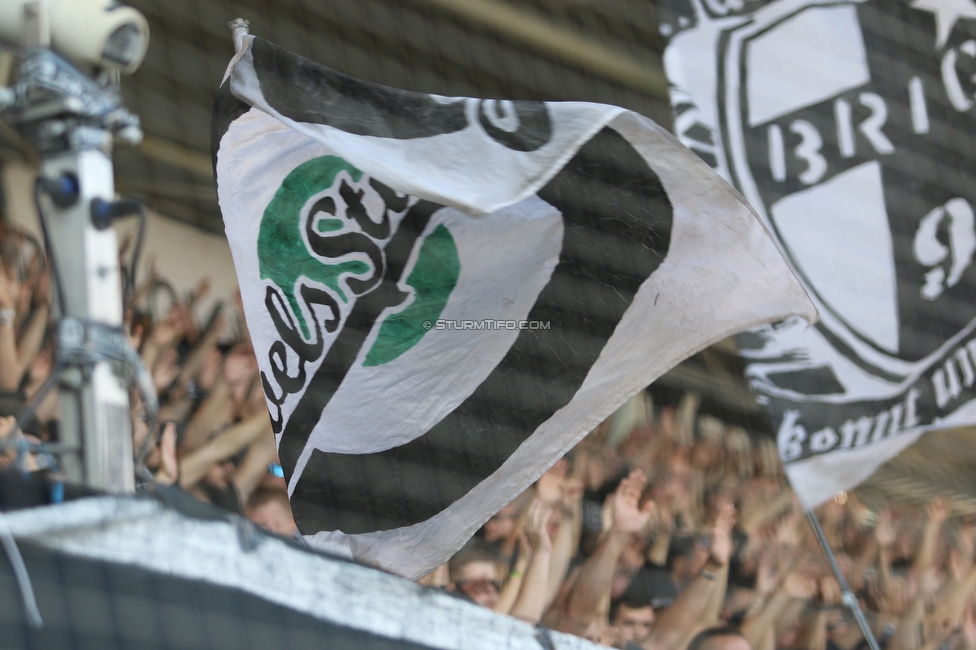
point(95, 406)
point(847, 596)
point(72, 119)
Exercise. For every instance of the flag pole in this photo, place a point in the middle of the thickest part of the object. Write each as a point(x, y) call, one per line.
point(847, 596)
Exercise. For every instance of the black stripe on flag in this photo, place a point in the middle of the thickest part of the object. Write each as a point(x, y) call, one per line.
point(610, 200)
point(226, 109)
point(305, 91)
point(344, 350)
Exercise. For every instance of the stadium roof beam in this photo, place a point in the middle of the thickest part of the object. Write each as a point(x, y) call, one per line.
point(534, 31)
point(164, 151)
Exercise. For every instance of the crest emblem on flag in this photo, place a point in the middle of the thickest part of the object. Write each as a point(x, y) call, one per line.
point(446, 294)
point(843, 130)
point(322, 245)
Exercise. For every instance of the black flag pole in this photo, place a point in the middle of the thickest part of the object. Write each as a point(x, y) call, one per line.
point(848, 597)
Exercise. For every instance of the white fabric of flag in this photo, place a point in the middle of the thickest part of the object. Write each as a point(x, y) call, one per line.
point(446, 294)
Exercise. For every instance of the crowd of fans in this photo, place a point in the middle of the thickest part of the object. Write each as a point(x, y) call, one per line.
point(689, 537)
point(679, 534)
point(214, 440)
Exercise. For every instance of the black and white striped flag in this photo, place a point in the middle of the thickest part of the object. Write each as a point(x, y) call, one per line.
point(446, 294)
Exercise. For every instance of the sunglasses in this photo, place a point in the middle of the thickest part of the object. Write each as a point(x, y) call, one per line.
point(480, 585)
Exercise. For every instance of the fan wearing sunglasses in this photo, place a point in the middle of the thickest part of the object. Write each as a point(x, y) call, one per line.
point(475, 574)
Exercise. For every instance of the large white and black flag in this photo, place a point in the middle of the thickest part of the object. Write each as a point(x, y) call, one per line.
point(446, 294)
point(849, 126)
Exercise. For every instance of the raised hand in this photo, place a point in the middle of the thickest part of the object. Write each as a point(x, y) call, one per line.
point(524, 545)
point(610, 636)
point(830, 590)
point(788, 532)
point(238, 300)
point(184, 319)
point(800, 585)
point(133, 336)
point(884, 531)
point(938, 510)
point(766, 578)
point(682, 502)
point(664, 521)
point(210, 370)
point(537, 518)
point(8, 425)
point(606, 516)
point(168, 467)
point(572, 494)
point(202, 289)
point(966, 537)
point(8, 293)
point(25, 294)
point(41, 368)
point(929, 582)
point(968, 627)
point(964, 546)
point(256, 399)
point(168, 330)
point(721, 548)
point(549, 486)
point(167, 369)
point(943, 629)
point(628, 515)
point(956, 565)
point(8, 430)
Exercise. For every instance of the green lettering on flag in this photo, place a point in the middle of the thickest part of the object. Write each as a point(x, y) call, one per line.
point(433, 278)
point(282, 254)
point(284, 259)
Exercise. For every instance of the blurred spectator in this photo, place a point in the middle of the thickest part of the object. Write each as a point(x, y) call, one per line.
point(269, 508)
